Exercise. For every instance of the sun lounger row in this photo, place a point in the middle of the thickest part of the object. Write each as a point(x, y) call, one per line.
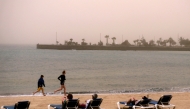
point(70, 104)
point(18, 105)
point(73, 104)
point(163, 102)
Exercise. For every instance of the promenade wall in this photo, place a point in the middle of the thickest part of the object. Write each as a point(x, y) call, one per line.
point(92, 47)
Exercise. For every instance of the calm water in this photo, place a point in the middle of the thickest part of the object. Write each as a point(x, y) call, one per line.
point(93, 71)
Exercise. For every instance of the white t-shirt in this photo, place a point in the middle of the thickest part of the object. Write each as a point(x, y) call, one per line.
point(87, 102)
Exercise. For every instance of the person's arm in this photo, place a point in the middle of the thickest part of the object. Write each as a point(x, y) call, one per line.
point(64, 98)
point(137, 101)
point(43, 83)
point(38, 84)
point(59, 78)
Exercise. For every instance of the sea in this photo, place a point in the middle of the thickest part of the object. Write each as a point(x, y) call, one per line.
point(92, 71)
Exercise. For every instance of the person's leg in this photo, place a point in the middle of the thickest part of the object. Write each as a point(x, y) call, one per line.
point(131, 100)
point(59, 89)
point(43, 92)
point(37, 90)
point(64, 90)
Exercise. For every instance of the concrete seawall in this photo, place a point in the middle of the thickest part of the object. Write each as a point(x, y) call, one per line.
point(91, 47)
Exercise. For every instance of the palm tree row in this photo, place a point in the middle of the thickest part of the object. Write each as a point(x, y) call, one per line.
point(160, 42)
point(137, 42)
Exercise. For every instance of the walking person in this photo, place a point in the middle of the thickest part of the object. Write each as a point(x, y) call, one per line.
point(62, 79)
point(40, 85)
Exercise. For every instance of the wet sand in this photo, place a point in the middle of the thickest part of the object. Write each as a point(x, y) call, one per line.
point(180, 99)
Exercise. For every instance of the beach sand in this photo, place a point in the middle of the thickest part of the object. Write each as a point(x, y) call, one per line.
point(180, 99)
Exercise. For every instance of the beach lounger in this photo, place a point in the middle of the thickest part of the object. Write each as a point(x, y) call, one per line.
point(124, 105)
point(95, 104)
point(142, 104)
point(18, 105)
point(55, 106)
point(70, 104)
point(163, 102)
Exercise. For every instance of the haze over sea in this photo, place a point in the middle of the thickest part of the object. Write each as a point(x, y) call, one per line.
point(93, 71)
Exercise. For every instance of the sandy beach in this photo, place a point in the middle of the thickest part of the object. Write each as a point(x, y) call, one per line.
point(180, 99)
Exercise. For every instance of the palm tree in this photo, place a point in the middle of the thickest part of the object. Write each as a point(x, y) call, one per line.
point(159, 41)
point(107, 37)
point(181, 40)
point(151, 43)
point(126, 43)
point(100, 43)
point(70, 42)
point(66, 42)
point(113, 38)
point(83, 40)
point(83, 43)
point(163, 43)
point(135, 41)
point(171, 41)
point(143, 42)
point(184, 42)
point(138, 42)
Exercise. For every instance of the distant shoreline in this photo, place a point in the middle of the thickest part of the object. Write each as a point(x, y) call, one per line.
point(129, 91)
point(40, 94)
point(96, 47)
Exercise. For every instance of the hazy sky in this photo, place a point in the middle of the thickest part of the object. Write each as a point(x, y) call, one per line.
point(37, 21)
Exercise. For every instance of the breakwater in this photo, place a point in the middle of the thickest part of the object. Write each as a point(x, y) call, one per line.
point(95, 47)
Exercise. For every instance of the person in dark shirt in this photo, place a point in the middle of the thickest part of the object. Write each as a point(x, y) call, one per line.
point(40, 85)
point(62, 79)
point(65, 100)
point(94, 97)
point(132, 101)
